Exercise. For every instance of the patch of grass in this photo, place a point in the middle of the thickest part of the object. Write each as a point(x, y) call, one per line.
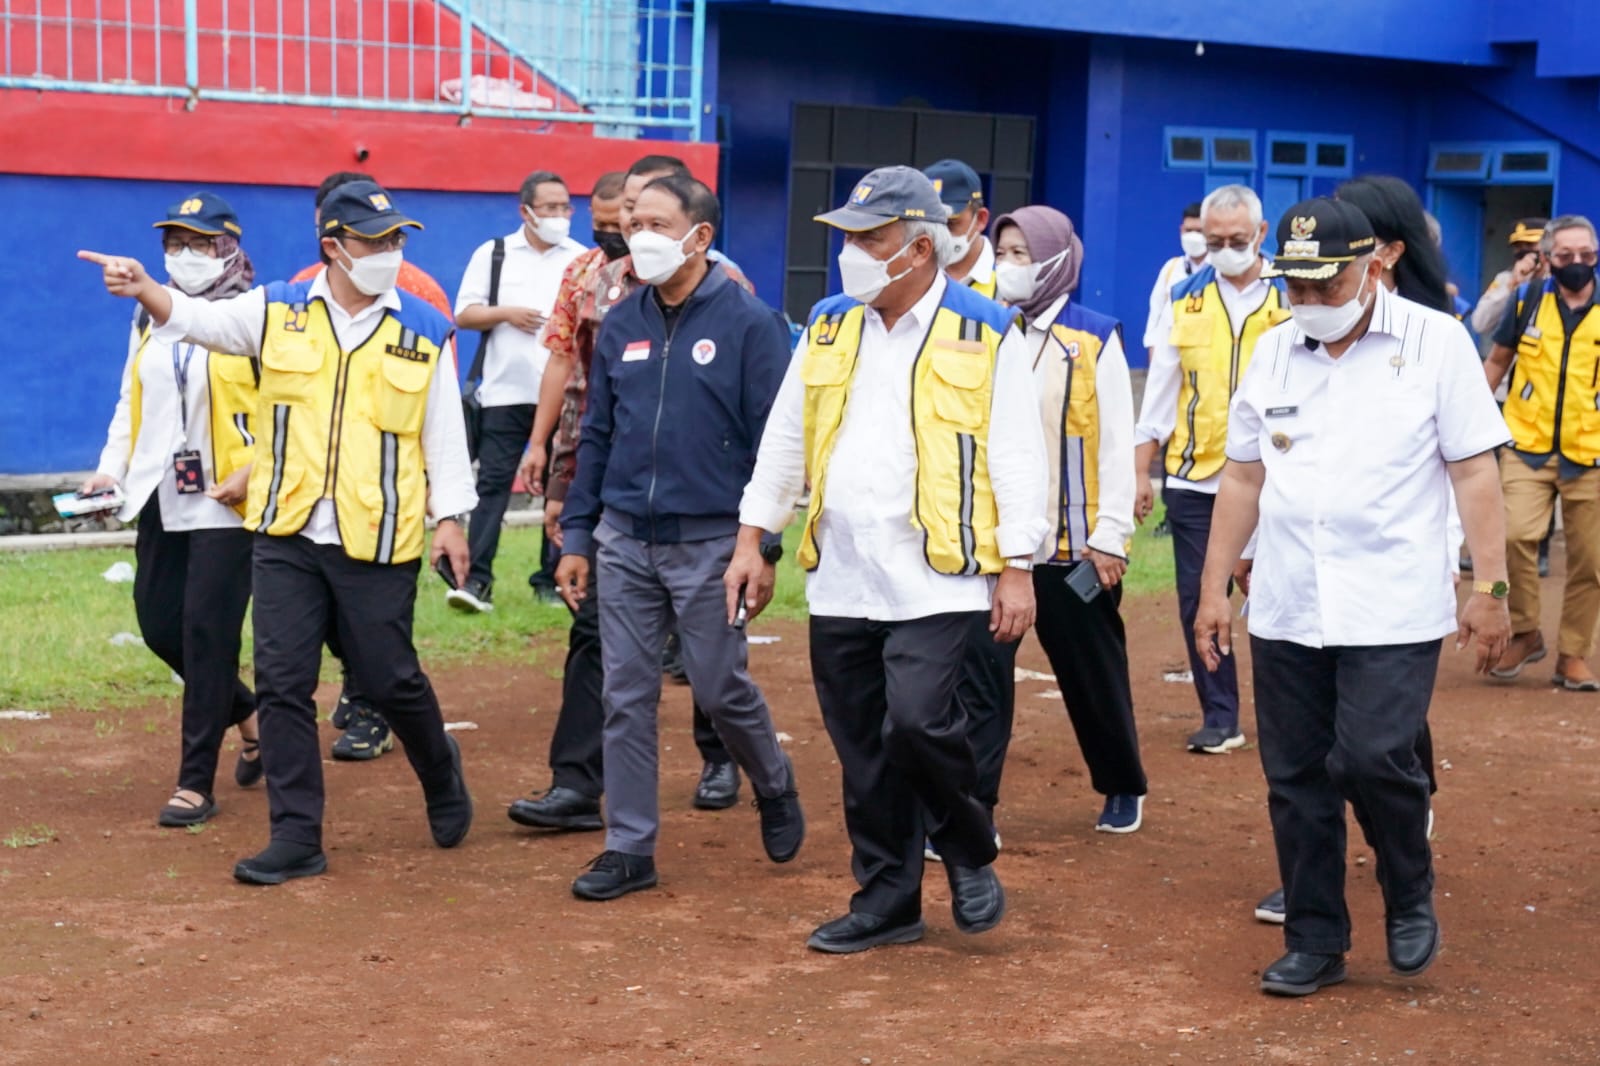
point(30, 836)
point(196, 829)
point(1150, 564)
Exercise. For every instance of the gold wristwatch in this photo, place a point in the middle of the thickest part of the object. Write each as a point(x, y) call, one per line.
point(1498, 589)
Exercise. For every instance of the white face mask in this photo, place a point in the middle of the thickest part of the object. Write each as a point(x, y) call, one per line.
point(1015, 283)
point(863, 276)
point(1194, 243)
point(193, 272)
point(375, 274)
point(1323, 323)
point(960, 246)
point(657, 257)
point(1231, 262)
point(548, 230)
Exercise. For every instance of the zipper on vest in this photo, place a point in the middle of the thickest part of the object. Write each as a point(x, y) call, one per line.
point(341, 382)
point(655, 429)
point(1561, 390)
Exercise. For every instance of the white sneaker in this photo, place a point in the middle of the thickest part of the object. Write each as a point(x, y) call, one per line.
point(471, 598)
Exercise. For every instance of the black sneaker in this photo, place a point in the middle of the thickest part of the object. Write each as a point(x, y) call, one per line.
point(1272, 909)
point(783, 824)
point(718, 788)
point(472, 598)
point(280, 862)
point(366, 736)
point(614, 874)
point(344, 710)
point(1214, 740)
point(450, 812)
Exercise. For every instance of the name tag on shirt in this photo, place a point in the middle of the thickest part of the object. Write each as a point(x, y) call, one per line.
point(636, 352)
point(1282, 412)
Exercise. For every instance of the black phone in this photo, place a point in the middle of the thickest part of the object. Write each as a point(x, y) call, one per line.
point(1084, 580)
point(741, 614)
point(446, 571)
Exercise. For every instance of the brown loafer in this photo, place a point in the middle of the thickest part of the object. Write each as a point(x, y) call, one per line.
point(1523, 650)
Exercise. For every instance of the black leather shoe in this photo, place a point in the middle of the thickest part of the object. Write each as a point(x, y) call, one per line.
point(560, 808)
point(1413, 938)
point(718, 788)
point(858, 932)
point(615, 873)
point(450, 812)
point(976, 898)
point(783, 823)
point(280, 862)
point(1301, 973)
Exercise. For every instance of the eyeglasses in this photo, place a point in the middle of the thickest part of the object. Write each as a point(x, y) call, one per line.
point(1562, 259)
point(198, 243)
point(1238, 244)
point(551, 210)
point(389, 242)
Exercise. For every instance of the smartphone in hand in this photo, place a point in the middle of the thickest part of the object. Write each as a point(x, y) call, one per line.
point(446, 571)
point(1085, 581)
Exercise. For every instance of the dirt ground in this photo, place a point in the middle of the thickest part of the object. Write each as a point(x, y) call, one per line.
point(126, 943)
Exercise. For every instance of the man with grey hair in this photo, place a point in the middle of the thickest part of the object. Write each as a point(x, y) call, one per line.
point(1550, 409)
point(909, 408)
point(1203, 343)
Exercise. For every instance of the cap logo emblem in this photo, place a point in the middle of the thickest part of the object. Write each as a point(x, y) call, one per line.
point(380, 201)
point(938, 185)
point(861, 194)
point(1301, 249)
point(1301, 227)
point(191, 206)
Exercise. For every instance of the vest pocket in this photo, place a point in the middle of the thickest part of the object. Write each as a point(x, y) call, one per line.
point(402, 395)
point(1192, 331)
point(289, 369)
point(824, 370)
point(957, 385)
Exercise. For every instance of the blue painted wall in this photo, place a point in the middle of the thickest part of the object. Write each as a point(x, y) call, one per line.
point(63, 383)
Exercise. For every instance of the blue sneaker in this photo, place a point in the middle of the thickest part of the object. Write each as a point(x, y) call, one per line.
point(1122, 814)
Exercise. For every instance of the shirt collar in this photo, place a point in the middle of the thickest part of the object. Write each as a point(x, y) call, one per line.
point(983, 269)
point(389, 301)
point(1048, 316)
point(922, 312)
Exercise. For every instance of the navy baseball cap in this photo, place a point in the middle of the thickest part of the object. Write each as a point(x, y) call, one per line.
point(202, 212)
point(363, 208)
point(956, 183)
point(886, 195)
point(1318, 238)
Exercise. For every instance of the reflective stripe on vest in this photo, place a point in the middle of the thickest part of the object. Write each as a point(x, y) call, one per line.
point(1212, 363)
point(1556, 383)
point(346, 427)
point(952, 384)
point(1070, 408)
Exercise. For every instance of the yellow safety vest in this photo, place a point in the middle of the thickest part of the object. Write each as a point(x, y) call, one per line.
point(952, 383)
point(231, 383)
point(345, 426)
point(1213, 362)
point(1070, 406)
point(1555, 382)
point(984, 288)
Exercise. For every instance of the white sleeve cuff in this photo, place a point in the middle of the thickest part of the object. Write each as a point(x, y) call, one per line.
point(1111, 537)
point(1021, 538)
point(764, 513)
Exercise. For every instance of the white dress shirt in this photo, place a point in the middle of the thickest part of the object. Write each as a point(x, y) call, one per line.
point(1158, 414)
point(1351, 545)
point(146, 465)
point(982, 271)
point(514, 364)
point(235, 325)
point(872, 562)
point(1114, 402)
point(1173, 271)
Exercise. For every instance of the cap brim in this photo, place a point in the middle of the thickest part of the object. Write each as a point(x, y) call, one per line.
point(1306, 269)
point(854, 220)
point(380, 227)
point(188, 226)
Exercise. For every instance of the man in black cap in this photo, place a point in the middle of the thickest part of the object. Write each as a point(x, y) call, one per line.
point(359, 436)
point(909, 408)
point(1352, 426)
point(971, 254)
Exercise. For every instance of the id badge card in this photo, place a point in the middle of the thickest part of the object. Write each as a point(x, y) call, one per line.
point(191, 472)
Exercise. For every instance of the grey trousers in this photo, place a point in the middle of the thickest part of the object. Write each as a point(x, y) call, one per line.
point(643, 589)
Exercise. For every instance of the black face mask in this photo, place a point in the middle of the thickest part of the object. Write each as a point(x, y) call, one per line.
point(1574, 276)
point(614, 244)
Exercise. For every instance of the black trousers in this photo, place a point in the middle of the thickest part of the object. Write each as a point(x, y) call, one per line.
point(887, 695)
point(986, 695)
point(1088, 650)
point(503, 439)
point(577, 759)
point(190, 591)
point(1189, 517)
point(300, 589)
point(1336, 725)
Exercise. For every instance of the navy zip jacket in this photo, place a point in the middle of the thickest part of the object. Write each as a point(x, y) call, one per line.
point(674, 416)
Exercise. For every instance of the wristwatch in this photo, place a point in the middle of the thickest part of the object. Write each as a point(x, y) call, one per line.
point(1498, 589)
point(1022, 563)
point(458, 519)
point(771, 553)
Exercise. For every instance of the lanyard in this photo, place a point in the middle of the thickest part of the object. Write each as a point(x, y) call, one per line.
point(180, 374)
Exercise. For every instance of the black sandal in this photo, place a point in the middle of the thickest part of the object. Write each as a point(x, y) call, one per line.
point(175, 816)
point(247, 771)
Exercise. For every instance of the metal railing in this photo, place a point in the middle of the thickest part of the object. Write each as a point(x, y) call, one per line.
point(618, 64)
